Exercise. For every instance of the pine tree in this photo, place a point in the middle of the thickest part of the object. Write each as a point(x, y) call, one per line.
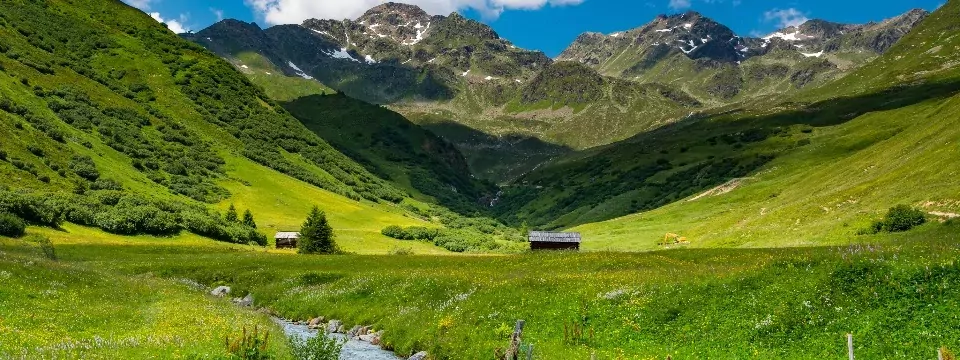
point(248, 219)
point(316, 235)
point(231, 215)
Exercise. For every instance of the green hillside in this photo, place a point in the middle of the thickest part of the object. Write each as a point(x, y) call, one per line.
point(394, 149)
point(110, 120)
point(813, 170)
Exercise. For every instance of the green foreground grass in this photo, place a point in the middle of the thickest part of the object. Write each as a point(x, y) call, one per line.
point(897, 296)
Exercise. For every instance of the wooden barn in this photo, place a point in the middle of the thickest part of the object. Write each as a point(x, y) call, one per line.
point(287, 239)
point(543, 240)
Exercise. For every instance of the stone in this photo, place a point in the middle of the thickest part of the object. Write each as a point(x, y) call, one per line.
point(333, 326)
point(315, 323)
point(220, 291)
point(367, 337)
point(419, 356)
point(364, 330)
point(354, 331)
point(341, 329)
point(246, 301)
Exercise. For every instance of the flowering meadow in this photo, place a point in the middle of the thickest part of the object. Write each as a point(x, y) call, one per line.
point(898, 297)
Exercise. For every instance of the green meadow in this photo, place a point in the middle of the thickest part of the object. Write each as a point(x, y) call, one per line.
point(111, 296)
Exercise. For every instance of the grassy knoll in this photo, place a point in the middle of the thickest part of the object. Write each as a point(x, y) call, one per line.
point(896, 295)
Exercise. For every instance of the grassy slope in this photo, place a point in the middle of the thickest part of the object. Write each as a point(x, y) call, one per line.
point(281, 203)
point(274, 82)
point(358, 222)
point(895, 295)
point(874, 142)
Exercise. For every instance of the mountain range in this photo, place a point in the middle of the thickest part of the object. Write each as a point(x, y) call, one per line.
point(509, 110)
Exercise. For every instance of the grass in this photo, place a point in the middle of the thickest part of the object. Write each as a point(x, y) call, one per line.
point(894, 295)
point(281, 203)
point(68, 310)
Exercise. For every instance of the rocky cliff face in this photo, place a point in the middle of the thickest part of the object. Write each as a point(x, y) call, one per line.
point(391, 53)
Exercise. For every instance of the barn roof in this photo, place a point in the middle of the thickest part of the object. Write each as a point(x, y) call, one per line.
point(563, 237)
point(287, 235)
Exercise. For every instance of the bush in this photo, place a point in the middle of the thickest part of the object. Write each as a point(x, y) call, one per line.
point(393, 231)
point(316, 348)
point(11, 225)
point(84, 167)
point(899, 218)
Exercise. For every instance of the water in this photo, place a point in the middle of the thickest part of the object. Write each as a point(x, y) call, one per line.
point(352, 349)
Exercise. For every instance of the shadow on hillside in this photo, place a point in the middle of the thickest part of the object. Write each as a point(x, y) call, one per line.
point(498, 158)
point(829, 112)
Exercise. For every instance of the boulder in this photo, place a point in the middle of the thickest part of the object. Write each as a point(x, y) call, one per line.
point(315, 322)
point(333, 326)
point(341, 330)
point(419, 356)
point(220, 291)
point(364, 330)
point(367, 337)
point(246, 301)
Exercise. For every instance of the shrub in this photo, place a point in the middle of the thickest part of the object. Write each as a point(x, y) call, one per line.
point(316, 348)
point(36, 150)
point(393, 231)
point(84, 167)
point(11, 225)
point(899, 218)
point(3, 154)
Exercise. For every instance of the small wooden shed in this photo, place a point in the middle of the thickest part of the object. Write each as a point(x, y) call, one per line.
point(544, 240)
point(287, 239)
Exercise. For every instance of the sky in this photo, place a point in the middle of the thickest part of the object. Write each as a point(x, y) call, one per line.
point(547, 25)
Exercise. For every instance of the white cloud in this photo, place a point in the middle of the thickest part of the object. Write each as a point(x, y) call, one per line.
point(679, 4)
point(786, 17)
point(296, 11)
point(218, 13)
point(174, 25)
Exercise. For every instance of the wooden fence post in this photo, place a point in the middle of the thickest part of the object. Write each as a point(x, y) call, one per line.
point(850, 345)
point(514, 348)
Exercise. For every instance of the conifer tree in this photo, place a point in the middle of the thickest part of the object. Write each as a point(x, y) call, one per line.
point(316, 235)
point(248, 219)
point(231, 215)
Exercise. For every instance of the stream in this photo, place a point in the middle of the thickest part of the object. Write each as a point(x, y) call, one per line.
point(352, 350)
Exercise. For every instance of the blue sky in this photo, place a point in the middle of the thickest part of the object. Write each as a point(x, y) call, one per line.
point(547, 25)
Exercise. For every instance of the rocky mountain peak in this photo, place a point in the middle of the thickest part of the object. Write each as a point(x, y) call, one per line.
point(392, 9)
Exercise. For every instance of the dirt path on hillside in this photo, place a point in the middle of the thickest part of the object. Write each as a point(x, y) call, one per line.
point(722, 189)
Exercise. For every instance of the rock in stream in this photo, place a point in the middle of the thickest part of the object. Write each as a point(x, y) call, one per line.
point(352, 349)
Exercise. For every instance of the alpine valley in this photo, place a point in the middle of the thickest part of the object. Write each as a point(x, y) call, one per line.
point(385, 180)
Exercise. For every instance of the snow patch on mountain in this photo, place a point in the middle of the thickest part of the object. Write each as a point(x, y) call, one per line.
point(299, 72)
point(818, 54)
point(342, 54)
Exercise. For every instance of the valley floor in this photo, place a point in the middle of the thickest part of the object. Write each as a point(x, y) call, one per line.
point(109, 297)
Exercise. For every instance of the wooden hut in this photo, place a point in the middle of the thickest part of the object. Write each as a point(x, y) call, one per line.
point(287, 239)
point(543, 240)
